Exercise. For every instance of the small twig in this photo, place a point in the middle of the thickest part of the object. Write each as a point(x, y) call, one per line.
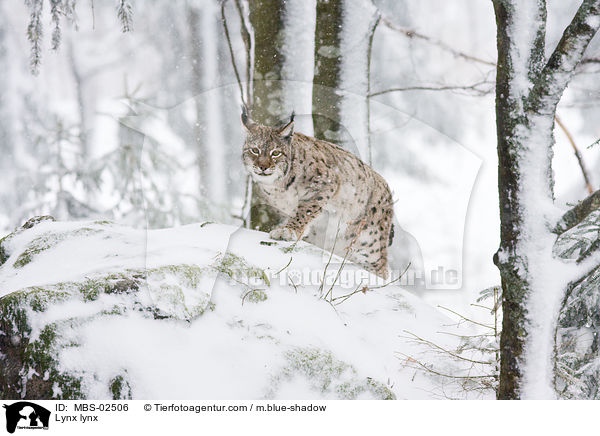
point(288, 264)
point(332, 306)
point(490, 335)
point(584, 172)
point(414, 34)
point(248, 44)
point(93, 15)
point(392, 281)
point(482, 307)
point(465, 318)
point(365, 289)
point(369, 55)
point(434, 345)
point(339, 271)
point(247, 195)
point(412, 359)
point(358, 289)
point(474, 87)
point(228, 38)
point(590, 61)
point(329, 260)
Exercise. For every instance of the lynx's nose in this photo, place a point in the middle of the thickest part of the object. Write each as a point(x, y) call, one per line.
point(264, 165)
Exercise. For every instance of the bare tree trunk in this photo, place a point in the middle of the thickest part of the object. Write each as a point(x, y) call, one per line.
point(266, 17)
point(81, 106)
point(197, 79)
point(326, 99)
point(267, 105)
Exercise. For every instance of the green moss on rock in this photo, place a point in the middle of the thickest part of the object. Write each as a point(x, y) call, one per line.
point(120, 388)
point(4, 254)
point(188, 275)
point(328, 375)
point(30, 366)
point(256, 296)
point(48, 240)
point(236, 267)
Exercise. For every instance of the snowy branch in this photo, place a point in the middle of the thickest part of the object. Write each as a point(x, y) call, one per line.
point(590, 61)
point(125, 14)
point(575, 215)
point(559, 69)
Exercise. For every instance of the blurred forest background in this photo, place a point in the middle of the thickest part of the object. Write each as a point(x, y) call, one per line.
point(130, 110)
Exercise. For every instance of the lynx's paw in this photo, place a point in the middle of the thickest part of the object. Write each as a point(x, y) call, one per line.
point(283, 234)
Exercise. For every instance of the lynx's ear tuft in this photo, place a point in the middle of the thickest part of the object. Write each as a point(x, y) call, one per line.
point(247, 122)
point(287, 130)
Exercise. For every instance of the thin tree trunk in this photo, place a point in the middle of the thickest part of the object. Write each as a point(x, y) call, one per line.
point(266, 17)
point(515, 284)
point(194, 22)
point(81, 107)
point(368, 98)
point(267, 105)
point(326, 99)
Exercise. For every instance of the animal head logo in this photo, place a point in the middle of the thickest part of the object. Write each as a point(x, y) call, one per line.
point(27, 415)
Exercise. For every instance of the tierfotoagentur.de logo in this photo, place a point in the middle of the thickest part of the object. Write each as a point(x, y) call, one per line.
point(26, 415)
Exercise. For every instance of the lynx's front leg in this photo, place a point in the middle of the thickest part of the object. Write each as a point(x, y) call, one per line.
point(308, 210)
point(315, 190)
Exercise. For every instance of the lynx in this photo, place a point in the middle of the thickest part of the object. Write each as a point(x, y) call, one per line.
point(327, 196)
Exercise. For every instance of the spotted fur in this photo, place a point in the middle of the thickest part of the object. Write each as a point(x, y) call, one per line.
point(327, 195)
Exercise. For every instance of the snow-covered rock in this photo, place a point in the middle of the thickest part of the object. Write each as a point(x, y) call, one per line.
point(96, 310)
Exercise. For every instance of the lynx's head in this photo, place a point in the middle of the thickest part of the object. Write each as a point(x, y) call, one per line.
point(267, 150)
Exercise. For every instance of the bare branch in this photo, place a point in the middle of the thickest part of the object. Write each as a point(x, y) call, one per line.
point(590, 61)
point(410, 359)
point(465, 318)
point(410, 33)
point(248, 44)
point(443, 350)
point(586, 176)
point(235, 69)
point(474, 87)
point(369, 55)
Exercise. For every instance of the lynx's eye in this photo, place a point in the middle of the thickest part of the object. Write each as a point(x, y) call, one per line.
point(255, 151)
point(275, 153)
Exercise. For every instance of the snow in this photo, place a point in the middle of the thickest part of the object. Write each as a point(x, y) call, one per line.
point(546, 275)
point(290, 344)
point(593, 21)
point(523, 31)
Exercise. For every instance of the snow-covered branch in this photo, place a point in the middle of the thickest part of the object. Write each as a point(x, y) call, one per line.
point(559, 69)
point(575, 215)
